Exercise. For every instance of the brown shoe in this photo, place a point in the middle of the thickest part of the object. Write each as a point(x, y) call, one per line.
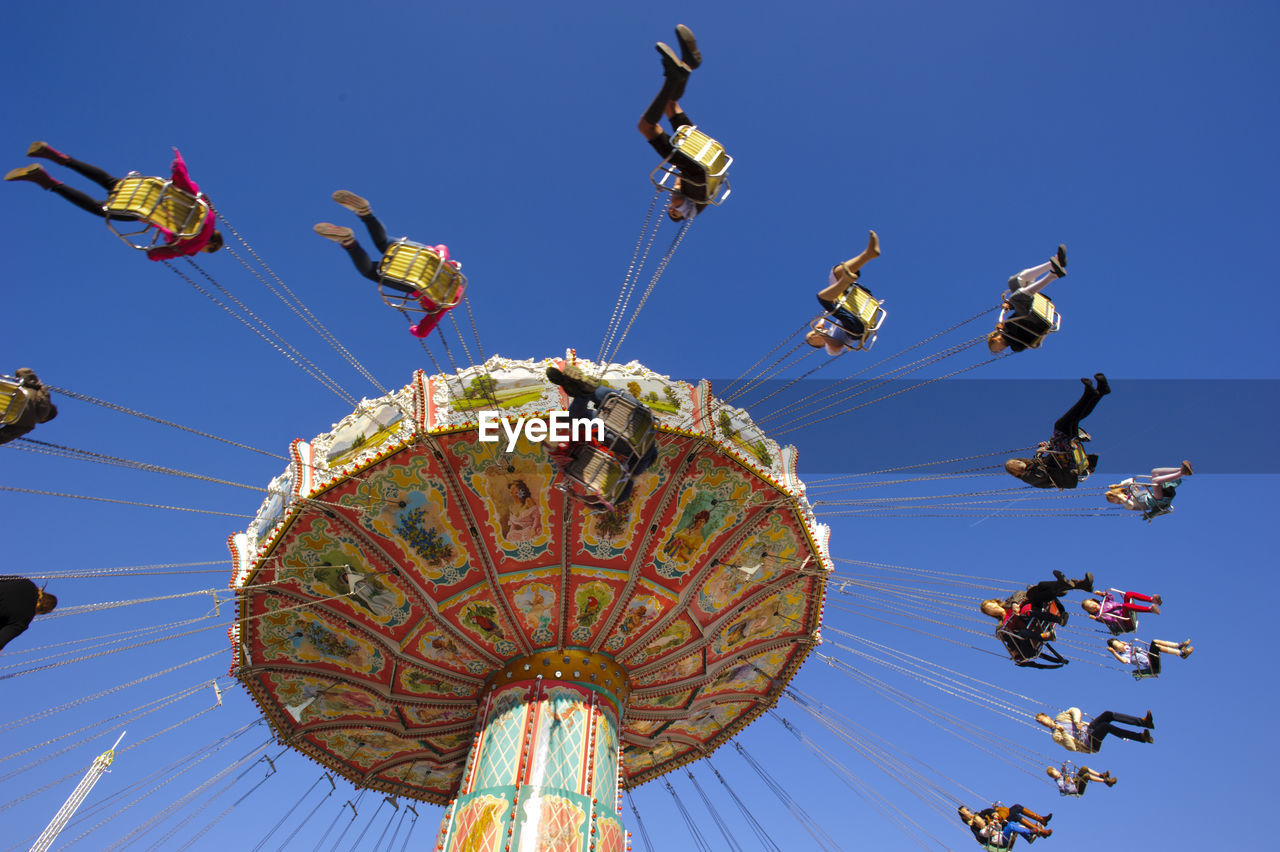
point(33, 174)
point(340, 235)
point(1148, 721)
point(45, 151)
point(1186, 468)
point(1109, 781)
point(1187, 651)
point(352, 202)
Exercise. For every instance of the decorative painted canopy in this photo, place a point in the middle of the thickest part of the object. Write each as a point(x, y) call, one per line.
point(400, 562)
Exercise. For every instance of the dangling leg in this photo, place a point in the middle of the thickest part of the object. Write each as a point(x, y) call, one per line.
point(1153, 603)
point(676, 74)
point(1068, 424)
point(360, 207)
point(1162, 475)
point(1101, 726)
point(37, 175)
point(1033, 280)
point(1043, 820)
point(93, 173)
point(844, 274)
point(346, 238)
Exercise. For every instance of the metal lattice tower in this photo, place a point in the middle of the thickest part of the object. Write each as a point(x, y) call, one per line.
point(100, 765)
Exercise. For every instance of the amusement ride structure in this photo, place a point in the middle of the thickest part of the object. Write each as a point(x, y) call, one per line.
point(423, 613)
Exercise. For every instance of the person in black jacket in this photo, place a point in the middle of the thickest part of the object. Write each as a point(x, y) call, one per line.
point(39, 408)
point(1053, 465)
point(20, 601)
point(690, 197)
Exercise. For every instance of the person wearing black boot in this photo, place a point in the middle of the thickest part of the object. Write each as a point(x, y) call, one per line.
point(208, 239)
point(1073, 733)
point(691, 195)
point(1061, 461)
point(1028, 618)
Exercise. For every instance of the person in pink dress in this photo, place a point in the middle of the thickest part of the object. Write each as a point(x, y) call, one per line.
point(1115, 609)
point(207, 239)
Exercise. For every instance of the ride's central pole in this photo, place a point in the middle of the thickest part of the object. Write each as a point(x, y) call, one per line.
point(543, 771)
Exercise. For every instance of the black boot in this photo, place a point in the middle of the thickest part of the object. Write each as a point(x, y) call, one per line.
point(689, 53)
point(1104, 387)
point(671, 66)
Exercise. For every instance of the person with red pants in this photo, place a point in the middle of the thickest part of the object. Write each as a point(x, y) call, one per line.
point(208, 239)
point(1116, 609)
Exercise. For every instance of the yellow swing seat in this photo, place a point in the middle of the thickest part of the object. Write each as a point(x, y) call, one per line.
point(158, 205)
point(707, 153)
point(1031, 328)
point(13, 400)
point(598, 474)
point(420, 269)
point(869, 310)
point(628, 422)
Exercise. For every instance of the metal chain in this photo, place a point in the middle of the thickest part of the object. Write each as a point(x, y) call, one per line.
point(130, 411)
point(122, 502)
point(327, 383)
point(58, 450)
point(49, 711)
point(628, 282)
point(653, 282)
point(305, 314)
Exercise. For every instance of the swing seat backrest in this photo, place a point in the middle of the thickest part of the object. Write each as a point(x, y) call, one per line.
point(420, 268)
point(629, 422)
point(707, 153)
point(13, 400)
point(159, 205)
point(859, 302)
point(1030, 329)
point(598, 473)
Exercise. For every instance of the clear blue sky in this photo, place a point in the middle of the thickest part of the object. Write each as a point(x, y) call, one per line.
point(973, 138)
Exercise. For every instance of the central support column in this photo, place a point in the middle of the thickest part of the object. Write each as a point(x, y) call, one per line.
point(542, 775)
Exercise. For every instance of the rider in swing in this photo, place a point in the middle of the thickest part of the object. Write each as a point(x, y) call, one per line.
point(207, 239)
point(1054, 465)
point(365, 265)
point(841, 330)
point(690, 197)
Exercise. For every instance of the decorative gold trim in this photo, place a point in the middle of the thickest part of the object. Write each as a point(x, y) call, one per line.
point(598, 672)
